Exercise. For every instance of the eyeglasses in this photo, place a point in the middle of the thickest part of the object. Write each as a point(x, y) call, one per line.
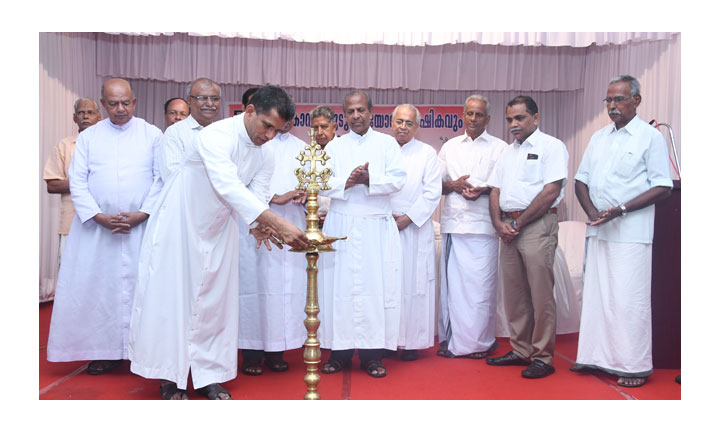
point(408, 123)
point(616, 99)
point(205, 98)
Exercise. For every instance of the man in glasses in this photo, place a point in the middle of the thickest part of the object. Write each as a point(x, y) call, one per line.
point(203, 95)
point(412, 208)
point(176, 109)
point(623, 173)
point(468, 295)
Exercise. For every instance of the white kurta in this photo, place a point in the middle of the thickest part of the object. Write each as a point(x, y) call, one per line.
point(185, 312)
point(468, 289)
point(111, 171)
point(273, 283)
point(360, 283)
point(418, 200)
point(176, 140)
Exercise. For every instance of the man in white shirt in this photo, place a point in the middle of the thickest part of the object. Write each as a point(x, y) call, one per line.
point(114, 182)
point(176, 109)
point(185, 311)
point(412, 208)
point(623, 173)
point(466, 324)
point(527, 185)
point(203, 97)
point(323, 122)
point(273, 283)
point(360, 283)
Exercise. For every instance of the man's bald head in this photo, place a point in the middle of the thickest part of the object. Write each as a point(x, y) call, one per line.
point(118, 100)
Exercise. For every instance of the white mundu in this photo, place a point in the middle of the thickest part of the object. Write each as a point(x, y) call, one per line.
point(616, 319)
point(112, 171)
point(468, 270)
point(418, 199)
point(360, 283)
point(185, 312)
point(273, 283)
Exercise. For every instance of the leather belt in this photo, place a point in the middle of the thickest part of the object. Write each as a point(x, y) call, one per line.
point(516, 214)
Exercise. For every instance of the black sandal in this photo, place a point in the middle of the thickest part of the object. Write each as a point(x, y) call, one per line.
point(213, 392)
point(169, 390)
point(332, 366)
point(276, 364)
point(99, 367)
point(251, 367)
point(375, 368)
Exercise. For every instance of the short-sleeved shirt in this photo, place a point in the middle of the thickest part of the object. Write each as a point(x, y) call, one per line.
point(619, 165)
point(464, 156)
point(56, 168)
point(525, 168)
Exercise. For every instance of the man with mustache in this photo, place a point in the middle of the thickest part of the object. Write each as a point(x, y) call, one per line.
point(203, 97)
point(114, 183)
point(323, 122)
point(85, 114)
point(623, 173)
point(468, 291)
point(527, 186)
point(176, 109)
point(360, 283)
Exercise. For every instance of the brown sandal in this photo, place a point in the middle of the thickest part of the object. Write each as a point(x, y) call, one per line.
point(375, 369)
point(332, 366)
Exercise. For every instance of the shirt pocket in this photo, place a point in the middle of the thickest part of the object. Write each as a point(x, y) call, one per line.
point(531, 171)
point(628, 164)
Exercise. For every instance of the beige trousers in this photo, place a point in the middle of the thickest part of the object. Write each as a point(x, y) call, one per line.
point(526, 269)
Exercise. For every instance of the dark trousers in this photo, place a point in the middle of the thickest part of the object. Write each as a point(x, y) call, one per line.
point(256, 356)
point(365, 355)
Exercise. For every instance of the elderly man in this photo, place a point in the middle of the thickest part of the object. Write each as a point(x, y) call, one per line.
point(412, 208)
point(323, 122)
point(360, 284)
point(85, 114)
point(273, 283)
point(623, 173)
point(203, 96)
point(528, 183)
point(114, 183)
point(185, 311)
point(468, 289)
point(176, 109)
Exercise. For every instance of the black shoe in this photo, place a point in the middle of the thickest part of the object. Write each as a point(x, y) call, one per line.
point(538, 369)
point(509, 359)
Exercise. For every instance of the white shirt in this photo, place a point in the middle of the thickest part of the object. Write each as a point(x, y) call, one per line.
point(524, 169)
point(175, 141)
point(619, 165)
point(421, 193)
point(462, 156)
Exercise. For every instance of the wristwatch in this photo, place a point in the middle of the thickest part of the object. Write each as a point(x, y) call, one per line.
point(513, 224)
point(623, 209)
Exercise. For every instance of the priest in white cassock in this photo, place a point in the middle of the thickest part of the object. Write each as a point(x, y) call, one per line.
point(412, 209)
point(360, 285)
point(203, 96)
point(273, 283)
point(185, 312)
point(469, 264)
point(623, 173)
point(114, 182)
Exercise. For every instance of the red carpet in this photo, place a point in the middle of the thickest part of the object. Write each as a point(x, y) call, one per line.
point(429, 378)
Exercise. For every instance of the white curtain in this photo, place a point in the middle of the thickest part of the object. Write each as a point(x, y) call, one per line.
point(567, 82)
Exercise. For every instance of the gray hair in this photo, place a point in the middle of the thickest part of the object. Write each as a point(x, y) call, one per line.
point(83, 99)
point(102, 88)
point(479, 98)
point(355, 93)
point(409, 106)
point(203, 80)
point(323, 111)
point(634, 83)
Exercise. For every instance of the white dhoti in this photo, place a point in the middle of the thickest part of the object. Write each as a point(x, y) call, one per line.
point(468, 292)
point(616, 320)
